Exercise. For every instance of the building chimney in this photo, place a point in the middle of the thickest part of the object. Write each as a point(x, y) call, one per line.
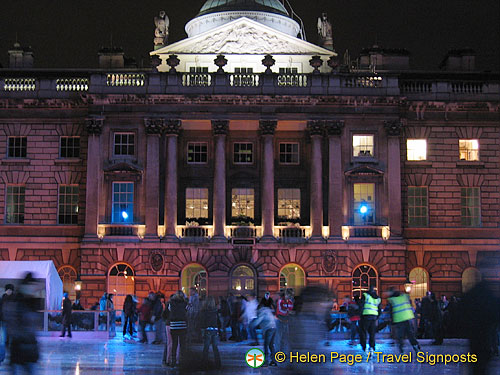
point(459, 60)
point(19, 57)
point(111, 58)
point(378, 58)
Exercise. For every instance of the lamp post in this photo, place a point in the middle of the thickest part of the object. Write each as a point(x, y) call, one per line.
point(78, 286)
point(408, 285)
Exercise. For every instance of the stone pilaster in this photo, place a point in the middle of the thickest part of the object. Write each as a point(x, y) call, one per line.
point(172, 130)
point(335, 183)
point(94, 127)
point(267, 128)
point(316, 129)
point(220, 129)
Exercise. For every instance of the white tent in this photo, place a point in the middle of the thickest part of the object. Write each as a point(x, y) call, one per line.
point(48, 287)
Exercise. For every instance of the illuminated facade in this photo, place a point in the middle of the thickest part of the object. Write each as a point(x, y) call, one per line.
point(267, 169)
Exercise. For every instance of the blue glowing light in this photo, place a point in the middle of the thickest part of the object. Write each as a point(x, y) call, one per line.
point(363, 209)
point(124, 215)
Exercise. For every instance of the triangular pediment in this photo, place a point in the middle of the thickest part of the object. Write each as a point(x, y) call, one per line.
point(364, 170)
point(243, 36)
point(122, 167)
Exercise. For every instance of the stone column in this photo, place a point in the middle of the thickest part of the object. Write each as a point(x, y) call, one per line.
point(220, 129)
point(154, 129)
point(393, 129)
point(316, 128)
point(94, 129)
point(172, 129)
point(335, 177)
point(267, 128)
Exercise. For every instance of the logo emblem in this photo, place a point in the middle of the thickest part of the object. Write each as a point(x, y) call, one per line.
point(255, 358)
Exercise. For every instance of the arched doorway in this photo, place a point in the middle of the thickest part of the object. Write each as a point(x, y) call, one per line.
point(292, 276)
point(419, 278)
point(121, 281)
point(470, 277)
point(364, 276)
point(68, 277)
point(243, 280)
point(194, 275)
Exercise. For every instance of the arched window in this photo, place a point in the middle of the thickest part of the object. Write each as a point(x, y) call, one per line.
point(121, 281)
point(68, 277)
point(243, 280)
point(470, 278)
point(292, 276)
point(194, 275)
point(420, 282)
point(363, 277)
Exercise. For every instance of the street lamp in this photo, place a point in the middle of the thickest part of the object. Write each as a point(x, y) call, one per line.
point(78, 283)
point(408, 285)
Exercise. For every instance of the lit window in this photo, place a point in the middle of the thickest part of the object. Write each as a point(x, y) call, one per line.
point(69, 147)
point(471, 207)
point(469, 149)
point(15, 205)
point(362, 145)
point(288, 204)
point(196, 204)
point(243, 153)
point(121, 282)
point(197, 152)
point(68, 277)
point(363, 278)
point(293, 277)
point(416, 149)
point(289, 153)
point(68, 204)
point(417, 206)
point(123, 202)
point(17, 147)
point(364, 203)
point(420, 282)
point(124, 144)
point(470, 277)
point(242, 203)
point(194, 276)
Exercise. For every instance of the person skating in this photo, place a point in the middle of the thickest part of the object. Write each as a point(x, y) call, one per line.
point(66, 316)
point(208, 324)
point(353, 312)
point(178, 326)
point(128, 313)
point(369, 316)
point(267, 322)
point(402, 317)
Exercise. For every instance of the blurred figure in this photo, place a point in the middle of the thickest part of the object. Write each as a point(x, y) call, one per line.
point(66, 316)
point(370, 313)
point(157, 320)
point(436, 317)
point(193, 309)
point(224, 318)
point(4, 342)
point(250, 317)
point(402, 316)
point(145, 315)
point(306, 326)
point(480, 318)
point(77, 305)
point(208, 324)
point(267, 322)
point(167, 352)
point(283, 310)
point(235, 307)
point(110, 307)
point(178, 326)
point(128, 316)
point(425, 326)
point(354, 314)
point(20, 315)
point(267, 301)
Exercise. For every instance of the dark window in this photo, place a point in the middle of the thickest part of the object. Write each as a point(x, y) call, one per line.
point(68, 204)
point(417, 206)
point(124, 144)
point(70, 147)
point(197, 152)
point(243, 153)
point(289, 153)
point(17, 147)
point(471, 207)
point(15, 205)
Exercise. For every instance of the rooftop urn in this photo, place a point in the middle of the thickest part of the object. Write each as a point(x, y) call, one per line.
point(172, 62)
point(316, 62)
point(268, 61)
point(220, 61)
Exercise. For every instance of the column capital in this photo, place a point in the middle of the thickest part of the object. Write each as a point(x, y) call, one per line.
point(316, 127)
point(267, 127)
point(154, 125)
point(334, 127)
point(173, 126)
point(393, 127)
point(94, 124)
point(220, 127)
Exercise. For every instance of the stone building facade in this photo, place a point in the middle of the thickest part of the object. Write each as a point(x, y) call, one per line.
point(138, 180)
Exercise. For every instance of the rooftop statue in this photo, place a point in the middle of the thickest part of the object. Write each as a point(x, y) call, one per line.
point(161, 32)
point(325, 34)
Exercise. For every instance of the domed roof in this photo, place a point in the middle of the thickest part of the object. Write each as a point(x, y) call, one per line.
point(215, 6)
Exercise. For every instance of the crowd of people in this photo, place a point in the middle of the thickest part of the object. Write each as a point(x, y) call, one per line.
point(286, 323)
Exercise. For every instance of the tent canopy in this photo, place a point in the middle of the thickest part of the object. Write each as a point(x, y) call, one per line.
point(51, 286)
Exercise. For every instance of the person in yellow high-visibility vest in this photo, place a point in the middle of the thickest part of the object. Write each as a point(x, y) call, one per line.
point(402, 316)
point(369, 316)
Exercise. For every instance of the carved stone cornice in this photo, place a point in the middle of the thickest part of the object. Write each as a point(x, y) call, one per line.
point(94, 124)
point(154, 125)
point(173, 126)
point(334, 127)
point(393, 127)
point(316, 127)
point(267, 127)
point(220, 127)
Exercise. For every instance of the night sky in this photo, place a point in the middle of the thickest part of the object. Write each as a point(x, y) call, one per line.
point(65, 35)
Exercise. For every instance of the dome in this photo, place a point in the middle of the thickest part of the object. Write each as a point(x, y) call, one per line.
point(214, 6)
point(214, 13)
